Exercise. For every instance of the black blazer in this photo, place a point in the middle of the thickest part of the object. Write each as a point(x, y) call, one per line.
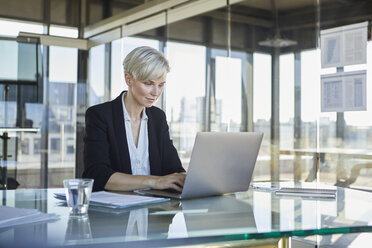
point(106, 148)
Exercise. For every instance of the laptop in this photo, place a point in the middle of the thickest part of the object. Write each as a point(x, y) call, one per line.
point(220, 163)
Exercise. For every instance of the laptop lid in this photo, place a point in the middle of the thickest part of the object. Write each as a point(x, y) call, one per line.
point(221, 163)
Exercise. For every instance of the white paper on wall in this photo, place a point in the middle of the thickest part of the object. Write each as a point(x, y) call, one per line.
point(346, 45)
point(344, 91)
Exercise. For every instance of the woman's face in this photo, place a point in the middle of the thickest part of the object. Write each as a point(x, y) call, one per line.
point(145, 93)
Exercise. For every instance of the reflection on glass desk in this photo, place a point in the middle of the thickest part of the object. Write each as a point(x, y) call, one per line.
point(344, 159)
point(255, 214)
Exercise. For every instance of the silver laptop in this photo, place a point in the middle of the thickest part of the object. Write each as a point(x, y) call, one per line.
point(220, 163)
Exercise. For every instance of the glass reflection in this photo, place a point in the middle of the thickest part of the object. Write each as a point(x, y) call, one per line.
point(211, 216)
point(78, 229)
point(178, 228)
point(253, 214)
point(287, 213)
point(137, 225)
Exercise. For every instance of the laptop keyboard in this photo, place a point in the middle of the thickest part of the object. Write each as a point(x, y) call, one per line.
point(164, 193)
point(171, 191)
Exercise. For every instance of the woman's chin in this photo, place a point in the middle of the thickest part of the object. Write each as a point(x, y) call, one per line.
point(148, 105)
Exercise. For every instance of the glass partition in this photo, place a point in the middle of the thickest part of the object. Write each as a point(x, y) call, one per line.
point(21, 109)
point(62, 114)
point(286, 114)
point(185, 96)
point(96, 75)
point(228, 81)
point(262, 112)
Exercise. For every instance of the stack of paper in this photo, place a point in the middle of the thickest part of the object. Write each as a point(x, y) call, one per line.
point(18, 216)
point(114, 200)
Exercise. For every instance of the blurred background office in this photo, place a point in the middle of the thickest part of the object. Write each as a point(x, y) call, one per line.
point(251, 65)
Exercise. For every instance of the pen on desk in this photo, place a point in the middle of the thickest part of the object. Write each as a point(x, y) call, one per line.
point(307, 192)
point(264, 188)
point(313, 195)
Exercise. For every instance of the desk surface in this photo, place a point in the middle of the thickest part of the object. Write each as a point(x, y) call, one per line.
point(245, 215)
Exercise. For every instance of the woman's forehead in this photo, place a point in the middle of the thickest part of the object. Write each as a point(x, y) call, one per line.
point(162, 79)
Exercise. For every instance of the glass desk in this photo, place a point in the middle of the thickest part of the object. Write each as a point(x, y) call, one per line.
point(239, 217)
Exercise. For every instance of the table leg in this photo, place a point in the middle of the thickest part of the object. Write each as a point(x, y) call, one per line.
point(284, 242)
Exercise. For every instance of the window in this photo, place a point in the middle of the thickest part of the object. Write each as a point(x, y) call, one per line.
point(262, 111)
point(8, 59)
point(25, 146)
point(55, 145)
point(62, 106)
point(184, 94)
point(37, 145)
point(63, 31)
point(63, 64)
point(310, 101)
point(286, 98)
point(70, 146)
point(54, 127)
point(12, 28)
point(228, 100)
point(96, 75)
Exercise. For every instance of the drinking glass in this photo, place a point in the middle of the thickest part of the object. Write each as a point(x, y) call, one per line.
point(78, 193)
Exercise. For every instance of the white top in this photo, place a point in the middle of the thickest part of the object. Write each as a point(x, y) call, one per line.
point(139, 156)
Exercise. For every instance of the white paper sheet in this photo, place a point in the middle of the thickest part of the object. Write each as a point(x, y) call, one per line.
point(346, 45)
point(115, 200)
point(10, 216)
point(344, 91)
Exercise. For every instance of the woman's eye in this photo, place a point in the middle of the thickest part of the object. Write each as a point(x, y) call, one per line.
point(161, 85)
point(147, 83)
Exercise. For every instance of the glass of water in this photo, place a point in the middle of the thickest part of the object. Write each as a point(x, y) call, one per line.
point(78, 193)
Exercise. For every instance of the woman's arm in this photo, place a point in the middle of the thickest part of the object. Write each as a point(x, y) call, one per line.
point(125, 182)
point(96, 148)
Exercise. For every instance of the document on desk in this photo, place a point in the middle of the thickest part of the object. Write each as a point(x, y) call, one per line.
point(10, 216)
point(307, 192)
point(115, 200)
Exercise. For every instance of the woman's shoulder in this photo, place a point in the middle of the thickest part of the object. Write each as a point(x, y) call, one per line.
point(105, 107)
point(99, 108)
point(155, 111)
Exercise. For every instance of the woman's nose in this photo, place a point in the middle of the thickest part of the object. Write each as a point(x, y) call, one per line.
point(155, 90)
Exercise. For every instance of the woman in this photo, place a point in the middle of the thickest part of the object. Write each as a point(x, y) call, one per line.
point(127, 144)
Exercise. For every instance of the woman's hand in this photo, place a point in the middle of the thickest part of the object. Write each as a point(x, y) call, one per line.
point(172, 181)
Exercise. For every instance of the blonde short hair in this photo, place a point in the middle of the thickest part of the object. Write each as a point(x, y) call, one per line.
point(146, 63)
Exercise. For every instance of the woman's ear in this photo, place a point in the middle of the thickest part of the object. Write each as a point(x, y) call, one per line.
point(128, 79)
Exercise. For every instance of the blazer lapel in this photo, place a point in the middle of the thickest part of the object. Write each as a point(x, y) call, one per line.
point(155, 163)
point(120, 133)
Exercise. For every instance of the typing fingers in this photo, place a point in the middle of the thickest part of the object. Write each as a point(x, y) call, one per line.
point(176, 187)
point(176, 181)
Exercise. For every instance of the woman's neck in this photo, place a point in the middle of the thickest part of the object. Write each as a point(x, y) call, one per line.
point(133, 108)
